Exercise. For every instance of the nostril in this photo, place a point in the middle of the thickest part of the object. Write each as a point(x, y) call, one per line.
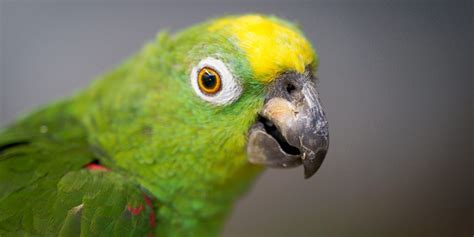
point(290, 88)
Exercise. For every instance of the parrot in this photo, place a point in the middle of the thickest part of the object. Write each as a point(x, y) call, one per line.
point(167, 141)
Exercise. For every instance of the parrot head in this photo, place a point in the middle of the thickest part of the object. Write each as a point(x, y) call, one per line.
point(252, 81)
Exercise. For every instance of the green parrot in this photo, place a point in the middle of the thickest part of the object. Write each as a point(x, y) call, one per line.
point(166, 142)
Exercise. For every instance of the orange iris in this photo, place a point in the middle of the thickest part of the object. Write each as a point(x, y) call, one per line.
point(209, 81)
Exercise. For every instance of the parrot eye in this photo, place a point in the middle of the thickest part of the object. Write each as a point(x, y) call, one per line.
point(213, 82)
point(209, 81)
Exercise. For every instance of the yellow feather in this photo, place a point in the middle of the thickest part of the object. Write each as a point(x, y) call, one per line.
point(270, 46)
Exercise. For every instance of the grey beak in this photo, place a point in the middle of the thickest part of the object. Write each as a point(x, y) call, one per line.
point(291, 128)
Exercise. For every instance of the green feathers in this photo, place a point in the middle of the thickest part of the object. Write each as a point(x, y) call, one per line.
point(45, 190)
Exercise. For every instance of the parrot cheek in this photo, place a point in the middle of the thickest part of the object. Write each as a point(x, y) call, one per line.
point(291, 128)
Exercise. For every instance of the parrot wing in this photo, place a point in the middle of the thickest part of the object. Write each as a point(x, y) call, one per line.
point(47, 186)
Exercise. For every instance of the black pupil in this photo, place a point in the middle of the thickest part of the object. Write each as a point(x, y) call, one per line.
point(209, 80)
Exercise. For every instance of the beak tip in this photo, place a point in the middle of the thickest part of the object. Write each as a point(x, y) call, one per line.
point(311, 165)
point(309, 172)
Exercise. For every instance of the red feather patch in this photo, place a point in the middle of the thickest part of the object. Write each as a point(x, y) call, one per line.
point(94, 166)
point(135, 210)
point(152, 217)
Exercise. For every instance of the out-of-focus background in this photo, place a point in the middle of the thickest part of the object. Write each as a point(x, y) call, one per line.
point(396, 81)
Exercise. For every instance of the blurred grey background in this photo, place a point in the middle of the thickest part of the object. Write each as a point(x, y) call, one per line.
point(396, 81)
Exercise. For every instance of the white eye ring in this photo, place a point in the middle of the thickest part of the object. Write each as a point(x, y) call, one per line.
point(230, 88)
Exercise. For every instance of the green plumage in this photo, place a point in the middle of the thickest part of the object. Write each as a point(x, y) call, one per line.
point(43, 183)
point(145, 123)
